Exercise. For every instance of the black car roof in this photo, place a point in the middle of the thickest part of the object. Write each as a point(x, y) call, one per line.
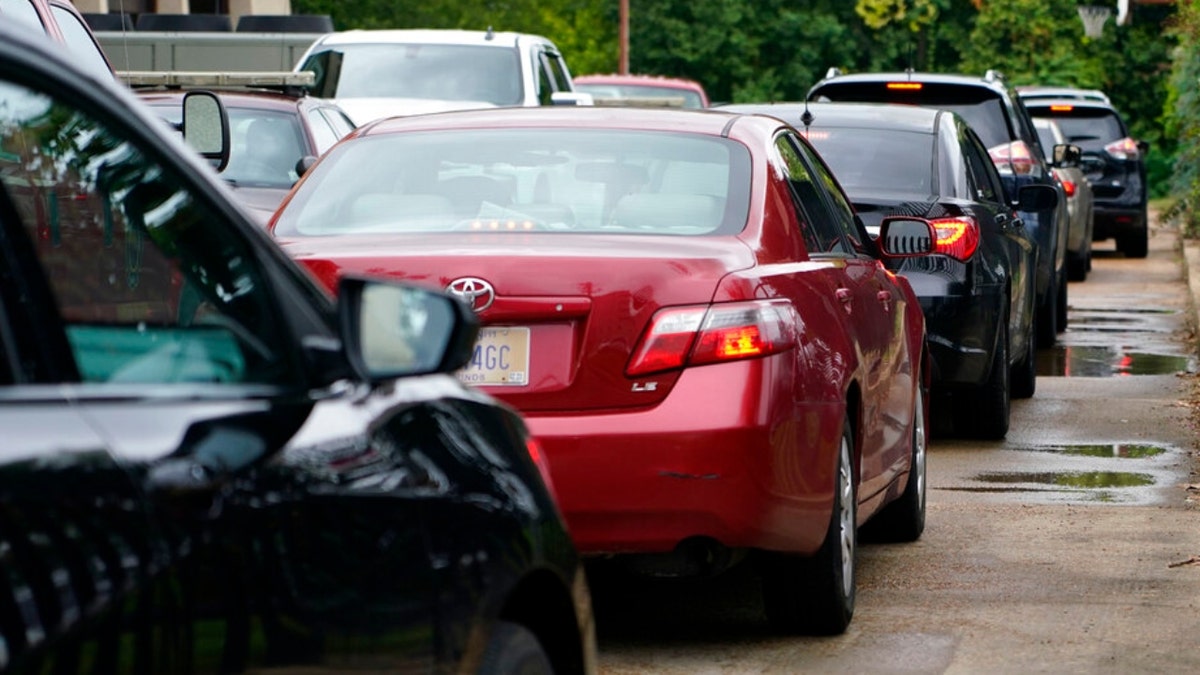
point(874, 115)
point(990, 80)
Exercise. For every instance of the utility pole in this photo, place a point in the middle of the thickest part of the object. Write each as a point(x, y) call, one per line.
point(623, 39)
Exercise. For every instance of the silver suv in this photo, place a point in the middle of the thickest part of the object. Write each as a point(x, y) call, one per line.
point(381, 73)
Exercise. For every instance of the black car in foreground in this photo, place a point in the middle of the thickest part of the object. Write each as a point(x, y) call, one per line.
point(977, 292)
point(1114, 164)
point(209, 465)
point(993, 109)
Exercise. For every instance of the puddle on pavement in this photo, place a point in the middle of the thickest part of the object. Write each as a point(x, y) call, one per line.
point(1120, 450)
point(1082, 480)
point(1093, 361)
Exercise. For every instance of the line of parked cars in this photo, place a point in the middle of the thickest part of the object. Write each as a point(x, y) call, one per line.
point(472, 350)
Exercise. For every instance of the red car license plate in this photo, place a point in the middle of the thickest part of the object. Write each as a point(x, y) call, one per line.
point(501, 357)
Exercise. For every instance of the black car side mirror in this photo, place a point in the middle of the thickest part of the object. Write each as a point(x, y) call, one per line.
point(391, 330)
point(1067, 156)
point(304, 164)
point(1037, 197)
point(904, 237)
point(1143, 146)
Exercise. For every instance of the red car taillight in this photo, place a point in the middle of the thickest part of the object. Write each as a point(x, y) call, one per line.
point(543, 466)
point(1012, 158)
point(956, 237)
point(693, 336)
point(1126, 148)
point(1068, 184)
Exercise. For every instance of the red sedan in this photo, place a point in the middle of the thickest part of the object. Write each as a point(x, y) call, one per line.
point(685, 309)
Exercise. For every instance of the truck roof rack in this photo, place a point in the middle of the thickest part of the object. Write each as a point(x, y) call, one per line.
point(287, 81)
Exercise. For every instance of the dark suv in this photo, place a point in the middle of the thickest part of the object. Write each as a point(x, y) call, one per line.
point(994, 111)
point(1113, 162)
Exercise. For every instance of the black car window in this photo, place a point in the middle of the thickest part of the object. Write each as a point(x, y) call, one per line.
point(820, 234)
point(841, 214)
point(873, 159)
point(146, 288)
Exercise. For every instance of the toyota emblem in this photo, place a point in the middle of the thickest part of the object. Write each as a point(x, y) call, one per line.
point(477, 293)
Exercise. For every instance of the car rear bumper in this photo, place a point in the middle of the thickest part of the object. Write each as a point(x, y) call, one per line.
point(1113, 221)
point(728, 455)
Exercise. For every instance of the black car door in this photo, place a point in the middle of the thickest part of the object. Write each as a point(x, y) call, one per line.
point(177, 497)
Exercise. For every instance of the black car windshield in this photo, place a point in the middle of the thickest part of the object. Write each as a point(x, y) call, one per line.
point(563, 180)
point(865, 159)
point(422, 71)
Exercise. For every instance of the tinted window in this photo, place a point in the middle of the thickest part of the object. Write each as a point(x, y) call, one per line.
point(323, 135)
point(422, 71)
point(820, 234)
point(877, 159)
point(557, 71)
point(840, 212)
point(147, 288)
point(556, 180)
point(1089, 128)
point(981, 107)
point(79, 41)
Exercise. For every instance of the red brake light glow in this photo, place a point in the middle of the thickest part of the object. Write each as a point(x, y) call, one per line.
point(692, 336)
point(1062, 108)
point(956, 237)
point(905, 86)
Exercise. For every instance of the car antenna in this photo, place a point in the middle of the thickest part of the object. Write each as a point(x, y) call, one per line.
point(806, 117)
point(491, 35)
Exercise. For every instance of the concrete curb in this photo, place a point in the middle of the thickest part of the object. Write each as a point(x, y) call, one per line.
point(1191, 271)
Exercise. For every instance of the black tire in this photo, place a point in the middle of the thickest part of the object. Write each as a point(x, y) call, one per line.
point(904, 519)
point(1060, 324)
point(514, 650)
point(1077, 267)
point(1135, 244)
point(986, 410)
point(815, 596)
point(1047, 316)
point(1023, 378)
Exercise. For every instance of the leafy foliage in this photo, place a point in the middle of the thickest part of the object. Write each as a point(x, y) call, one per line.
point(760, 50)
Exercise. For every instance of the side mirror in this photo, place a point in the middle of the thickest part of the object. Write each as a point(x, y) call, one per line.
point(1067, 156)
point(1037, 197)
point(571, 98)
point(904, 237)
point(304, 164)
point(1143, 146)
point(205, 126)
point(392, 330)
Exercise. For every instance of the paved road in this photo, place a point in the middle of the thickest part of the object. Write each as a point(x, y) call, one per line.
point(1071, 547)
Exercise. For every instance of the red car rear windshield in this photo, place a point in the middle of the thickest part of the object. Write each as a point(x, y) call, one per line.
point(555, 179)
